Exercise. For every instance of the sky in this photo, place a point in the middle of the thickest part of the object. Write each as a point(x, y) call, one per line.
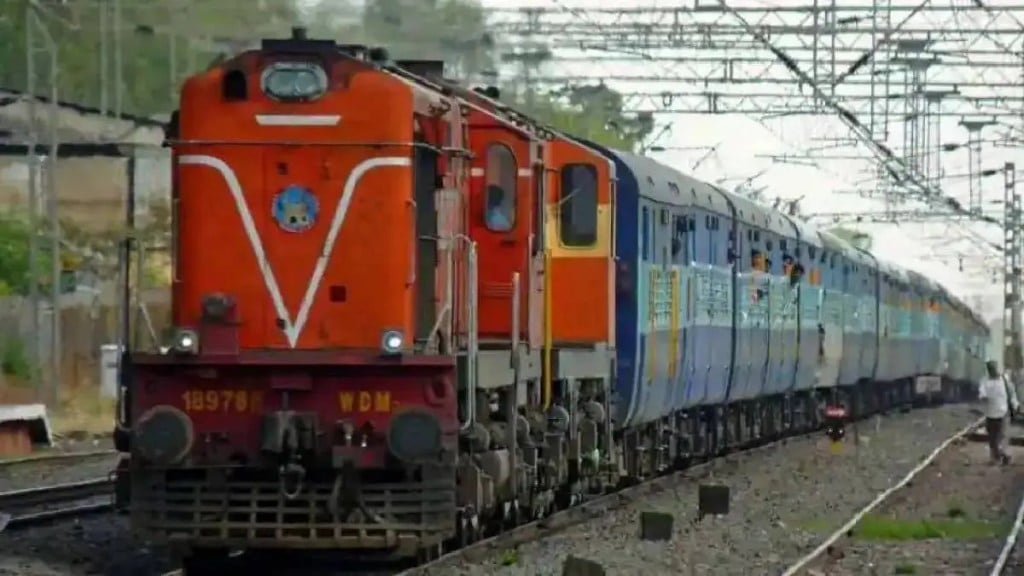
point(742, 142)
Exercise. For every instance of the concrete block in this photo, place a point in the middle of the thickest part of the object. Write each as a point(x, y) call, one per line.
point(23, 426)
point(575, 566)
point(656, 526)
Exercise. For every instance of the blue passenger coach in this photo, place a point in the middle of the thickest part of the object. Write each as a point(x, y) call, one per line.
point(734, 320)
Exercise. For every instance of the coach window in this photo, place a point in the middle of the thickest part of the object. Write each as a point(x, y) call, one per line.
point(578, 205)
point(500, 195)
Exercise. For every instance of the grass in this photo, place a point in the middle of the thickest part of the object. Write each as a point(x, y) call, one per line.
point(81, 410)
point(955, 527)
point(509, 558)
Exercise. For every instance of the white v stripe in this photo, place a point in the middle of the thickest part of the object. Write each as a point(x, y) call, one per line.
point(293, 328)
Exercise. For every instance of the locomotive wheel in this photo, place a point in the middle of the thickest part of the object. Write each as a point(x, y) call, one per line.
point(468, 530)
point(512, 519)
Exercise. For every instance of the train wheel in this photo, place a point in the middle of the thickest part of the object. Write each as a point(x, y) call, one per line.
point(514, 513)
point(469, 528)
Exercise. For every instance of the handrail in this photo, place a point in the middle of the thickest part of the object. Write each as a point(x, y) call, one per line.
point(124, 327)
point(411, 277)
point(547, 330)
point(472, 329)
point(514, 359)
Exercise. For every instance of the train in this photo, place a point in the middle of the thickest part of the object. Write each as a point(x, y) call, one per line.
point(408, 315)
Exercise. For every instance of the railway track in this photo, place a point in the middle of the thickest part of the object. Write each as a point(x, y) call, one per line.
point(57, 458)
point(601, 505)
point(1002, 563)
point(23, 508)
point(801, 565)
point(556, 522)
point(590, 509)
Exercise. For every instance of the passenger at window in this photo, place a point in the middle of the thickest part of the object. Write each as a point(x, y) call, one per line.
point(496, 212)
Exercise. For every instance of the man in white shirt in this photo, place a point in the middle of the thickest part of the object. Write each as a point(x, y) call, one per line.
point(999, 396)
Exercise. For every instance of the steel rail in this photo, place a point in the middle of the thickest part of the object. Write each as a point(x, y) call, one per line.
point(881, 497)
point(17, 506)
point(1008, 545)
point(56, 457)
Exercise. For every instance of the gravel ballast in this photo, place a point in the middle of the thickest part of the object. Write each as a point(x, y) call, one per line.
point(952, 519)
point(784, 501)
point(94, 545)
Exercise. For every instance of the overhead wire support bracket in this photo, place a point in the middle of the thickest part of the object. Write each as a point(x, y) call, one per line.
point(900, 172)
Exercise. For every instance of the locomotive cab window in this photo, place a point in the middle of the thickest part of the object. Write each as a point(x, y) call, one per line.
point(500, 191)
point(577, 214)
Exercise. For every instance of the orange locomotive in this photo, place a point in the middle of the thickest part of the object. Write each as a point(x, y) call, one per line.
point(368, 260)
point(320, 300)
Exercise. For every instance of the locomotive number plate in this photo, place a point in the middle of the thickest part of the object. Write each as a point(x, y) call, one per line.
point(235, 401)
point(365, 401)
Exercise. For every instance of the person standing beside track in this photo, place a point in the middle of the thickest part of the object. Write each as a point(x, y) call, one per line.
point(999, 397)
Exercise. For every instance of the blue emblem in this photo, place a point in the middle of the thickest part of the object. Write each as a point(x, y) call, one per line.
point(295, 209)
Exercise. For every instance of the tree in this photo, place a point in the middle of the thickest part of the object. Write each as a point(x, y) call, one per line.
point(162, 41)
point(456, 31)
point(451, 30)
point(594, 113)
point(15, 278)
point(855, 237)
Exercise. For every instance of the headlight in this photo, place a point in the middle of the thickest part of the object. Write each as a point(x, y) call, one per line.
point(391, 341)
point(291, 81)
point(186, 341)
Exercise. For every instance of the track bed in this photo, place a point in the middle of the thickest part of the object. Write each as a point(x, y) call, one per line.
point(952, 518)
point(779, 496)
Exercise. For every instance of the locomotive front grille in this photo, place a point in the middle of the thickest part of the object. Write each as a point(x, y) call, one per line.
point(398, 517)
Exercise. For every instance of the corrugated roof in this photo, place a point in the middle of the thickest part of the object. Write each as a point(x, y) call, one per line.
point(10, 96)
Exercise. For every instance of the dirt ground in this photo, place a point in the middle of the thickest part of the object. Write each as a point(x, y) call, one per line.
point(952, 519)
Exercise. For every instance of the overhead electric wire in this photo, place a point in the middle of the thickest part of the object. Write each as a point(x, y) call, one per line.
point(898, 169)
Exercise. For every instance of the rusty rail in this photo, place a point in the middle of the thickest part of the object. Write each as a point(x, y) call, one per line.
point(22, 508)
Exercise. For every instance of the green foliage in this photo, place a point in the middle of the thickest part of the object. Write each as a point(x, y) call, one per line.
point(163, 41)
point(601, 122)
point(853, 236)
point(451, 30)
point(456, 31)
point(14, 359)
point(509, 557)
point(152, 71)
point(14, 256)
point(874, 527)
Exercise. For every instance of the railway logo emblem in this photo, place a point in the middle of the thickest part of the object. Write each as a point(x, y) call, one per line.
point(296, 209)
